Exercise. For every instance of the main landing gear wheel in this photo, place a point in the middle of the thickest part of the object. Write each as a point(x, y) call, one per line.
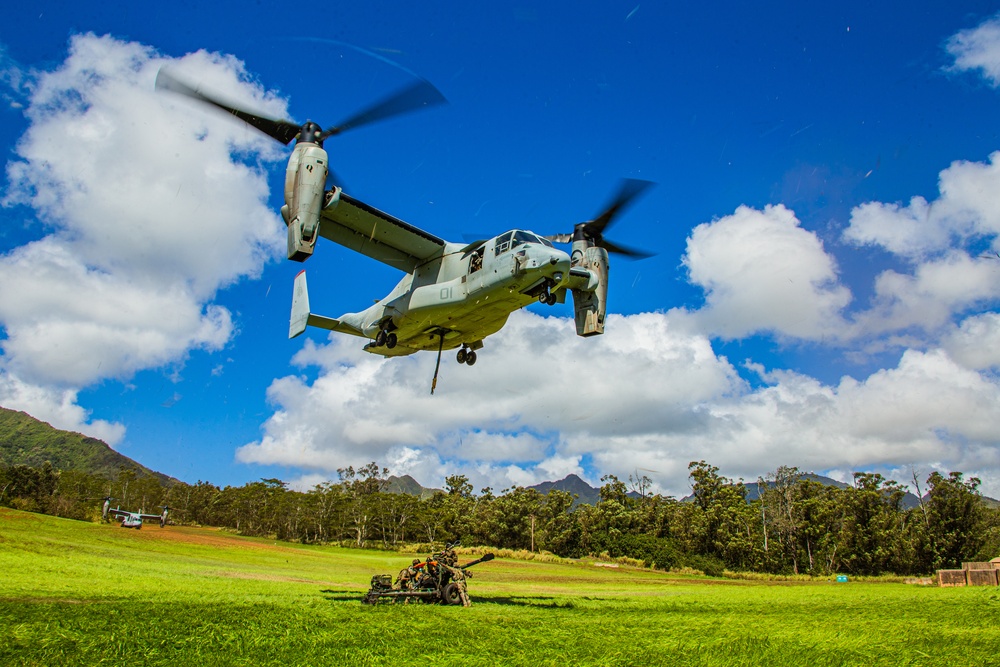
point(547, 297)
point(466, 356)
point(385, 338)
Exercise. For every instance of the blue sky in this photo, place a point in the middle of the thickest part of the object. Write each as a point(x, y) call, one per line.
point(823, 293)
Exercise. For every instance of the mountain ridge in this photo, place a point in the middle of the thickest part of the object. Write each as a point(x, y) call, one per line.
point(408, 485)
point(25, 440)
point(572, 483)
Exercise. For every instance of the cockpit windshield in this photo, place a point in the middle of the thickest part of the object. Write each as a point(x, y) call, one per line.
point(509, 240)
point(524, 237)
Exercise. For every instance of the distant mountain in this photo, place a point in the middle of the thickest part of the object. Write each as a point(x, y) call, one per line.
point(586, 494)
point(590, 495)
point(25, 440)
point(408, 485)
point(571, 484)
point(909, 501)
point(753, 489)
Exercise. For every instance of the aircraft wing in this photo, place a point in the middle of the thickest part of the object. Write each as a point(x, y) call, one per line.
point(365, 229)
point(150, 517)
point(118, 513)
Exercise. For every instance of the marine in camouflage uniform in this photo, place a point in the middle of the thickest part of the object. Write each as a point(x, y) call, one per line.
point(408, 576)
point(448, 569)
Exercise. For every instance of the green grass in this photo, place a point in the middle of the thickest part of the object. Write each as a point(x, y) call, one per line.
point(77, 593)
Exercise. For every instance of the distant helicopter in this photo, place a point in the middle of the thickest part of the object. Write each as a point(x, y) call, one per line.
point(453, 295)
point(132, 519)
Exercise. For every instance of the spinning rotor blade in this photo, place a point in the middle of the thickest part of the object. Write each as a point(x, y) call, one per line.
point(281, 130)
point(624, 250)
point(417, 96)
point(630, 189)
point(594, 229)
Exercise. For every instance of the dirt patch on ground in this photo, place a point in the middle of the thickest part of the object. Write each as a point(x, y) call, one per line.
point(8, 514)
point(211, 537)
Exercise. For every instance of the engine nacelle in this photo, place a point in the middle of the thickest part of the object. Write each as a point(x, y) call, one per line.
point(591, 306)
point(305, 181)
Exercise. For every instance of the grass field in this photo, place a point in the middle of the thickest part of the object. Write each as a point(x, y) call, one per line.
point(74, 593)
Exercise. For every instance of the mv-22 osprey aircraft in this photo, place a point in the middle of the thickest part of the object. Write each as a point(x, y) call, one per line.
point(453, 295)
point(131, 519)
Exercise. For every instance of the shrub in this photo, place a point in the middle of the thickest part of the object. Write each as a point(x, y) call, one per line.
point(710, 565)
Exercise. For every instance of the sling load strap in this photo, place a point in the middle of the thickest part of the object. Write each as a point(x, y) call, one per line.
point(437, 366)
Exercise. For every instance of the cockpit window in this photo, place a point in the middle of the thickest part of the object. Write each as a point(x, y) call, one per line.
point(524, 237)
point(509, 240)
point(503, 243)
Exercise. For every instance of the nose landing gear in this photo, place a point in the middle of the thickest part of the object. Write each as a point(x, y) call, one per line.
point(547, 297)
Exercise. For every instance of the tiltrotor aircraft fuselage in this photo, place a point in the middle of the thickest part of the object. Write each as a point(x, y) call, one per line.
point(453, 295)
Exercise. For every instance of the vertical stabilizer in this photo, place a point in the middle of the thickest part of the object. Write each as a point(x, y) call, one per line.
point(300, 306)
point(302, 317)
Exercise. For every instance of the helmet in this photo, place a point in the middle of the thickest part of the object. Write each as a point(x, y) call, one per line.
point(416, 561)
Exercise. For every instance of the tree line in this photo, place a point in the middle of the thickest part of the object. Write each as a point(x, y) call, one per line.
point(794, 526)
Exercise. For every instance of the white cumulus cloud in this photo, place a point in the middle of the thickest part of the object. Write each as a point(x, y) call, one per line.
point(646, 398)
point(536, 390)
point(975, 343)
point(968, 208)
point(978, 49)
point(762, 272)
point(147, 210)
point(930, 296)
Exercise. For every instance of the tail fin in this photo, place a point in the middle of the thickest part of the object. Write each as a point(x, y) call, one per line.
point(300, 306)
point(301, 317)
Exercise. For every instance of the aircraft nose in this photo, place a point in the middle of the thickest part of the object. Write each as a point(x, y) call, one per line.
point(551, 261)
point(560, 263)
